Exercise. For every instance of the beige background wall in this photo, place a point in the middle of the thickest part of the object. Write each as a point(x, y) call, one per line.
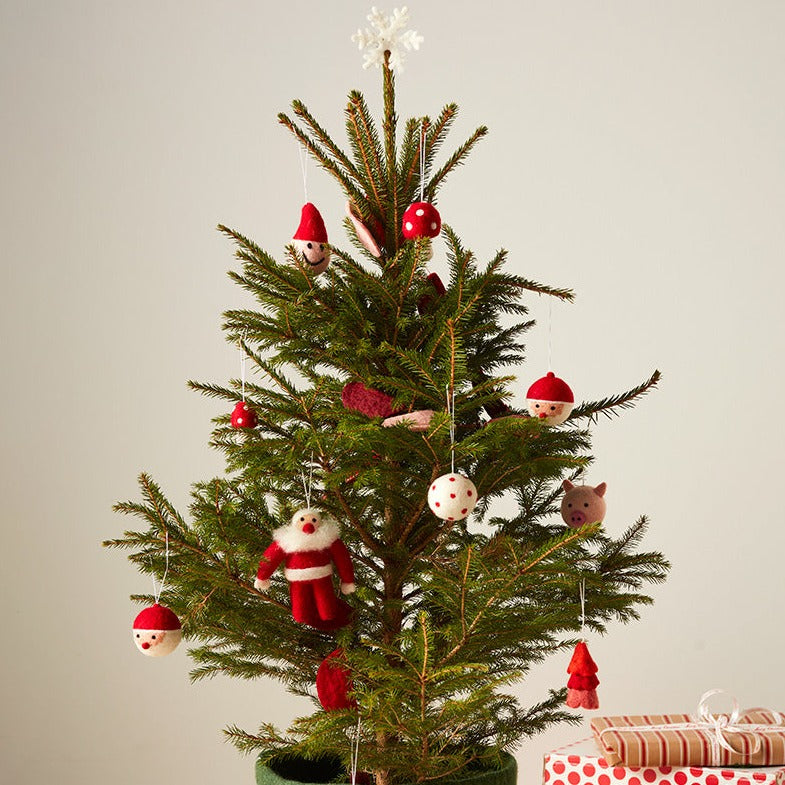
point(636, 155)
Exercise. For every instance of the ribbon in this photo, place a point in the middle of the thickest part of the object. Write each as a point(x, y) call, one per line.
point(716, 726)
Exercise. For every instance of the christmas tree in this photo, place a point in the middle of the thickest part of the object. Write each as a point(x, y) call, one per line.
point(449, 609)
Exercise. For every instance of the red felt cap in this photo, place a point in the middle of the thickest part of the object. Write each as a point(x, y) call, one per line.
point(156, 617)
point(551, 388)
point(311, 226)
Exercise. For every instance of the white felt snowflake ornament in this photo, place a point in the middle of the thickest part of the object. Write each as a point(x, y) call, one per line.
point(387, 35)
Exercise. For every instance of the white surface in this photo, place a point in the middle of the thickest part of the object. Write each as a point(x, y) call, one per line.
point(636, 155)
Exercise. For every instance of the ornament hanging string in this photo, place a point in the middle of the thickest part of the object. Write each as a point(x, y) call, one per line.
point(308, 484)
point(451, 415)
point(304, 169)
point(422, 162)
point(354, 741)
point(550, 333)
point(158, 588)
point(242, 366)
point(582, 592)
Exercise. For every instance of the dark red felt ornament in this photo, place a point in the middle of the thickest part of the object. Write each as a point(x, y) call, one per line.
point(334, 683)
point(583, 681)
point(367, 401)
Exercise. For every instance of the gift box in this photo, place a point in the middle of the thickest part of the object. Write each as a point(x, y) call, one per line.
point(582, 764)
point(754, 737)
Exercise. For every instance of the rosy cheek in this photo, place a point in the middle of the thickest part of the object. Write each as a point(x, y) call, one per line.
point(559, 408)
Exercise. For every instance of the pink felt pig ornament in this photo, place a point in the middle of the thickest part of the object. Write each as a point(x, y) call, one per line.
point(583, 504)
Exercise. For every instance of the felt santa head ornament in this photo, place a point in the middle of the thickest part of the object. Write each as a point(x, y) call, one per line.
point(550, 399)
point(310, 240)
point(157, 631)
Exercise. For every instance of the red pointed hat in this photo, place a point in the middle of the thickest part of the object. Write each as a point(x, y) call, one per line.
point(551, 388)
point(156, 617)
point(311, 226)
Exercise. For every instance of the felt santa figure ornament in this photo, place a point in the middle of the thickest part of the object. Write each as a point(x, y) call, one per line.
point(310, 240)
point(583, 681)
point(550, 399)
point(309, 547)
point(157, 631)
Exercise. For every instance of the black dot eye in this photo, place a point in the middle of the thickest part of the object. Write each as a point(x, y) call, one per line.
point(310, 245)
point(302, 517)
point(536, 405)
point(586, 504)
point(153, 637)
point(569, 504)
point(313, 519)
point(321, 246)
point(137, 635)
point(553, 408)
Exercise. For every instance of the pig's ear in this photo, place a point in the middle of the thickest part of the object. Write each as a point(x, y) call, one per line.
point(567, 485)
point(600, 489)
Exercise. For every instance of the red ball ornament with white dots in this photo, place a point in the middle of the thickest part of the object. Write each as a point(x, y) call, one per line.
point(421, 219)
point(452, 497)
point(243, 416)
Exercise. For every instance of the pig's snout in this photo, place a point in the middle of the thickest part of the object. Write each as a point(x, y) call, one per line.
point(577, 518)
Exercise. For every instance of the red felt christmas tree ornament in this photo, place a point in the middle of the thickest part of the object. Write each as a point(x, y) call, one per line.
point(583, 681)
point(310, 239)
point(309, 547)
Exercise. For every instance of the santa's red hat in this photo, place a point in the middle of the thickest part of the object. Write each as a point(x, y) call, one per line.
point(156, 617)
point(311, 226)
point(551, 388)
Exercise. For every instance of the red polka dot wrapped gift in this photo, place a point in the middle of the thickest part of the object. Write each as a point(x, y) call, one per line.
point(583, 764)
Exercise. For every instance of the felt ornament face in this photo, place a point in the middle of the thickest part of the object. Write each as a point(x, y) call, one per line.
point(157, 631)
point(307, 520)
point(583, 504)
point(315, 256)
point(452, 497)
point(550, 399)
point(310, 240)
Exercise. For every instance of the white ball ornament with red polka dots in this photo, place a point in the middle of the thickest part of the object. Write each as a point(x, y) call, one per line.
point(452, 497)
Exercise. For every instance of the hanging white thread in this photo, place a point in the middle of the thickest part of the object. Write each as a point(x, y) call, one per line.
point(354, 740)
point(307, 486)
point(422, 162)
point(304, 170)
point(242, 369)
point(451, 415)
point(158, 589)
point(550, 333)
point(583, 608)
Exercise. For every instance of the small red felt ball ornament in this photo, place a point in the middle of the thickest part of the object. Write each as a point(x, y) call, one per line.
point(157, 631)
point(243, 416)
point(421, 219)
point(310, 240)
point(550, 399)
point(452, 497)
point(334, 683)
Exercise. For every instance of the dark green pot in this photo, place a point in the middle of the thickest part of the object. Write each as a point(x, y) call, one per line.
point(293, 770)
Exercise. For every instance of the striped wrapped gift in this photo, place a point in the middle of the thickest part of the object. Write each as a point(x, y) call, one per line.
point(755, 737)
